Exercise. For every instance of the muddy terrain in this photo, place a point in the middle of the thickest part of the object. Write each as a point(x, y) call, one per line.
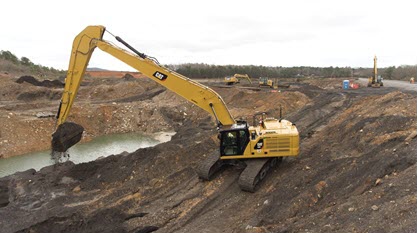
point(356, 171)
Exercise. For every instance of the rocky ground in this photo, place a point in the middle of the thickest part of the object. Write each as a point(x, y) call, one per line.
point(356, 171)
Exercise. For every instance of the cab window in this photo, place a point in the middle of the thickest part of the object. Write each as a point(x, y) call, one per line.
point(234, 142)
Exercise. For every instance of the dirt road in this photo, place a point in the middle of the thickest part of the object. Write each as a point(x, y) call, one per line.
point(402, 85)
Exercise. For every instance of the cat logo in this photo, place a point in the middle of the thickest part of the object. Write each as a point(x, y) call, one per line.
point(160, 76)
point(259, 144)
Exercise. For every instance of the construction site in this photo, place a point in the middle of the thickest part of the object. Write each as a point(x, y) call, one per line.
point(353, 168)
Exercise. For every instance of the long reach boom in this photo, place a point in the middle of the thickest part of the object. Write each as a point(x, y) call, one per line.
point(92, 37)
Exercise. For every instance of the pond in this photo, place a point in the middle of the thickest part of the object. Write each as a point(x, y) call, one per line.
point(84, 152)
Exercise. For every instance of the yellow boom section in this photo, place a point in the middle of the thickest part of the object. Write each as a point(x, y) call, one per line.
point(375, 70)
point(91, 37)
point(244, 76)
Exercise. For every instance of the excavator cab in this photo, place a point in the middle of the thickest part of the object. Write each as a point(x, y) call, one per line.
point(233, 141)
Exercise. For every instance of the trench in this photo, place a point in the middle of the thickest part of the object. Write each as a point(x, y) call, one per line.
point(85, 152)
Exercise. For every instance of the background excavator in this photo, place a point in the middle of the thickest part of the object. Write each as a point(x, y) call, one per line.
point(235, 79)
point(375, 80)
point(259, 147)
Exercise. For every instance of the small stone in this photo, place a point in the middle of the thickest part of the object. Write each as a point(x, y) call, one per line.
point(374, 207)
point(154, 182)
point(378, 181)
point(351, 209)
point(266, 202)
point(394, 150)
point(77, 189)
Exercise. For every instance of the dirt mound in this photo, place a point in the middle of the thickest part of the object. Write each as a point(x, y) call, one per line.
point(4, 194)
point(39, 94)
point(44, 83)
point(128, 77)
point(244, 103)
point(143, 96)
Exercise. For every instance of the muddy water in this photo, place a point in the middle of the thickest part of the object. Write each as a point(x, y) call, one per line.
point(80, 153)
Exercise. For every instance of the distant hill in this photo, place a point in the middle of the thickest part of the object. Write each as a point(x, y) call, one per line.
point(111, 74)
point(11, 64)
point(95, 69)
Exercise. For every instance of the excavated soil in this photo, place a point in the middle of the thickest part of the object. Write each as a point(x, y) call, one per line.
point(356, 171)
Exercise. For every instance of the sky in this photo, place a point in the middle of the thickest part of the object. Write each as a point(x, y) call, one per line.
point(269, 33)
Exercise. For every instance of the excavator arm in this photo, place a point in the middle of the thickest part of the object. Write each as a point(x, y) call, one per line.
point(92, 37)
point(244, 76)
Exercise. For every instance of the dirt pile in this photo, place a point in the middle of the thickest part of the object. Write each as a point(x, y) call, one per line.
point(44, 83)
point(355, 173)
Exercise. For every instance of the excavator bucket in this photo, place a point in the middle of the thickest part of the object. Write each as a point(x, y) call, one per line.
point(66, 135)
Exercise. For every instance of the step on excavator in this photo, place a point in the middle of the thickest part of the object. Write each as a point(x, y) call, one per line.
point(258, 147)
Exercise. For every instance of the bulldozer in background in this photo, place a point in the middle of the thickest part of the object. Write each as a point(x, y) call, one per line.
point(267, 82)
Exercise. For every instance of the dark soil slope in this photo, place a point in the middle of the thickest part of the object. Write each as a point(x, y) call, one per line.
point(356, 173)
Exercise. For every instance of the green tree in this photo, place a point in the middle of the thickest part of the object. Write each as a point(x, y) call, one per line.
point(389, 72)
point(9, 56)
point(26, 62)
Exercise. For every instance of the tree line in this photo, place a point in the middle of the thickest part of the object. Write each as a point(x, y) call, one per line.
point(198, 70)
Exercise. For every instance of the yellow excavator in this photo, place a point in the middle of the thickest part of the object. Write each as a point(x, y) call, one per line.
point(235, 79)
point(259, 147)
point(375, 80)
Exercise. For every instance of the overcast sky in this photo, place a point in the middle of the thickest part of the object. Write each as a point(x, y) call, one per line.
point(270, 33)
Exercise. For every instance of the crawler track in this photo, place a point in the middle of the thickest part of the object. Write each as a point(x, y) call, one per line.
point(255, 171)
point(210, 166)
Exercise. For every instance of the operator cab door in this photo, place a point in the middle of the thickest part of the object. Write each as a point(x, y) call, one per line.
point(234, 142)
